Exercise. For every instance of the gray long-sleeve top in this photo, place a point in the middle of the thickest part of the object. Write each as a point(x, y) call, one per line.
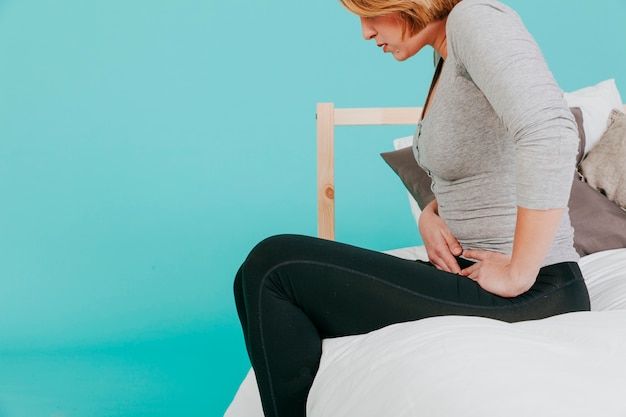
point(498, 133)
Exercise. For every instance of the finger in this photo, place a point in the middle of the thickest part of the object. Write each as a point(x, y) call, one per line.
point(454, 267)
point(479, 255)
point(451, 264)
point(470, 271)
point(453, 244)
point(439, 264)
point(444, 261)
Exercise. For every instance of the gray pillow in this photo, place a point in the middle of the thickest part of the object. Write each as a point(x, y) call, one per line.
point(414, 178)
point(604, 167)
point(598, 223)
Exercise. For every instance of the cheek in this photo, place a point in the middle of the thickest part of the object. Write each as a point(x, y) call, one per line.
point(410, 49)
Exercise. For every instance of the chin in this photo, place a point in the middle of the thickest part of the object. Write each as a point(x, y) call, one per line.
point(401, 57)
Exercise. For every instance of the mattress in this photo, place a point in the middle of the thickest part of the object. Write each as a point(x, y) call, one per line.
point(572, 364)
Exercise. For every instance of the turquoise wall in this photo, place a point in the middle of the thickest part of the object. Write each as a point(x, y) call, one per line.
point(146, 146)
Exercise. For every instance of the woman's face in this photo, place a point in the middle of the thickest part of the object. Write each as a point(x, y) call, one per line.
point(386, 30)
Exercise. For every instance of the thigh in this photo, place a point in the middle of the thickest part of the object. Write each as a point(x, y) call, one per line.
point(349, 290)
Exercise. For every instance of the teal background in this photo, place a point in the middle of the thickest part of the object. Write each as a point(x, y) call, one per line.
point(146, 146)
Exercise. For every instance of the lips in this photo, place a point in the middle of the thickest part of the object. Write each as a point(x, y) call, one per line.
point(384, 46)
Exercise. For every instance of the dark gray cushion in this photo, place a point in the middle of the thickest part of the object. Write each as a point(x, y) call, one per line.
point(599, 224)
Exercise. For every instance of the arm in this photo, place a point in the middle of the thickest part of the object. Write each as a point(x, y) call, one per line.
point(505, 63)
point(509, 276)
point(441, 245)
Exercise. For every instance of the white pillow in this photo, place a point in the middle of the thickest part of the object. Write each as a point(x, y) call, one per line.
point(404, 142)
point(596, 103)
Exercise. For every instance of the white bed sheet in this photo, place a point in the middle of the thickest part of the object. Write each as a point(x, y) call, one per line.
point(567, 365)
point(573, 364)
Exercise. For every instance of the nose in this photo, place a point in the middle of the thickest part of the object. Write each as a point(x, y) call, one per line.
point(367, 29)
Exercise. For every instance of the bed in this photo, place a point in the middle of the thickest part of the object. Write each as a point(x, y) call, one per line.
point(568, 365)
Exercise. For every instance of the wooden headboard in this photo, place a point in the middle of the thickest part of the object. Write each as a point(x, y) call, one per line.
point(327, 118)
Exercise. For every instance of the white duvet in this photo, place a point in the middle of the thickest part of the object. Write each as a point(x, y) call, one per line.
point(568, 365)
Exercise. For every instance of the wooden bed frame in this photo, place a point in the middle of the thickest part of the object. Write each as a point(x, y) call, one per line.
point(327, 118)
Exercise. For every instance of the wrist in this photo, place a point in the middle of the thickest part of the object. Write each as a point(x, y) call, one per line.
point(431, 207)
point(522, 277)
point(427, 216)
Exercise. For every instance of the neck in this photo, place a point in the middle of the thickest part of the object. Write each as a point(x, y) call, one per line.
point(439, 41)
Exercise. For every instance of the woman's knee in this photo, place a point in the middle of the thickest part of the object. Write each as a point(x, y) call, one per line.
point(267, 255)
point(238, 286)
point(274, 249)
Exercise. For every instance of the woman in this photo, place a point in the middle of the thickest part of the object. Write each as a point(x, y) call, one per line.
point(499, 143)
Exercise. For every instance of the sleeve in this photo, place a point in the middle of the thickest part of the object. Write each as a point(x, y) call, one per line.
point(503, 60)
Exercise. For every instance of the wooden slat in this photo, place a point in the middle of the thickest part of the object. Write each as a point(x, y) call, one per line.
point(377, 116)
point(327, 118)
point(325, 171)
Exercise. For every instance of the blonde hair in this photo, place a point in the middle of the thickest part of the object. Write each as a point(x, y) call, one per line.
point(414, 14)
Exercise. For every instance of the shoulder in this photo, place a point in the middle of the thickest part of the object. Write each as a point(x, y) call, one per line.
point(472, 12)
point(474, 25)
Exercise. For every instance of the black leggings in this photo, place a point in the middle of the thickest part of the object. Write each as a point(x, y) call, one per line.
point(293, 291)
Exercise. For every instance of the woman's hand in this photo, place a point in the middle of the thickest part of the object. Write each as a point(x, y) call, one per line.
point(509, 276)
point(493, 272)
point(441, 245)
